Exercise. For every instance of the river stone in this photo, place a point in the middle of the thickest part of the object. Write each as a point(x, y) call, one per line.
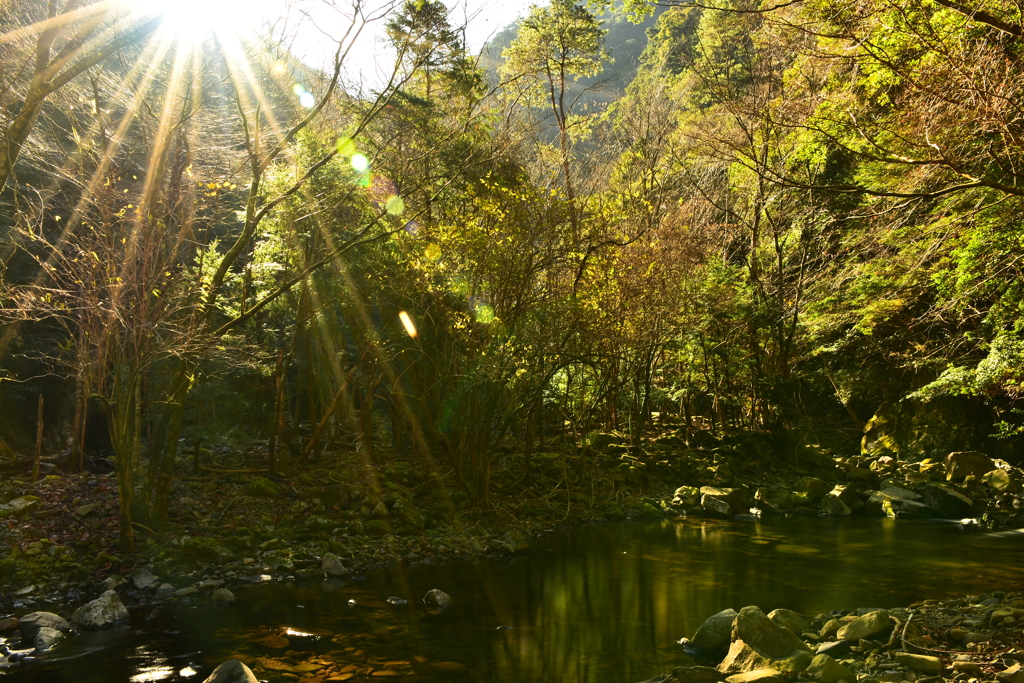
point(1000, 481)
point(19, 507)
point(437, 600)
point(824, 669)
point(794, 621)
point(946, 502)
point(923, 663)
point(31, 623)
point(143, 579)
point(756, 676)
point(870, 624)
point(837, 649)
point(686, 496)
point(963, 463)
point(332, 566)
point(724, 502)
point(8, 625)
point(1015, 674)
point(232, 671)
point(102, 612)
point(760, 643)
point(46, 638)
point(223, 595)
point(715, 632)
point(773, 500)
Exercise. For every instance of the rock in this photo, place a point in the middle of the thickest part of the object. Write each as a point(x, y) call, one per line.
point(830, 628)
point(102, 612)
point(1000, 480)
point(8, 625)
point(794, 621)
point(19, 507)
point(86, 510)
point(814, 489)
point(143, 579)
point(773, 499)
point(869, 625)
point(836, 649)
point(824, 669)
point(899, 493)
point(841, 501)
point(963, 463)
point(759, 643)
point(31, 623)
point(232, 671)
point(262, 487)
point(883, 465)
point(164, 588)
point(861, 475)
point(756, 676)
point(223, 595)
point(947, 502)
point(186, 591)
point(1000, 615)
point(724, 502)
point(437, 600)
point(46, 638)
point(210, 583)
point(715, 632)
point(972, 668)
point(923, 663)
point(1015, 674)
point(695, 674)
point(332, 566)
point(686, 497)
point(207, 550)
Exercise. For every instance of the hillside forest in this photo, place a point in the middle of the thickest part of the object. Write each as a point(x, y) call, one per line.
point(793, 226)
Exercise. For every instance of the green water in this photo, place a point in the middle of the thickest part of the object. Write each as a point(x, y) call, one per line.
point(602, 603)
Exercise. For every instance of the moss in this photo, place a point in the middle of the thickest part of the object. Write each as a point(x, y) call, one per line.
point(377, 527)
point(264, 488)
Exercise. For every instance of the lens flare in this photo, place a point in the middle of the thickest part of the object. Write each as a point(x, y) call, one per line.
point(407, 324)
point(360, 163)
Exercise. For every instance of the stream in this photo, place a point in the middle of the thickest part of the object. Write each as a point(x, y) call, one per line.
point(602, 603)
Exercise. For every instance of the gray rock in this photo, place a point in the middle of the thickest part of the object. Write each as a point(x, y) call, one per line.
point(164, 588)
point(223, 595)
point(715, 632)
point(947, 502)
point(86, 510)
point(186, 591)
point(963, 463)
point(232, 671)
point(835, 648)
point(794, 621)
point(143, 579)
point(824, 669)
point(899, 493)
point(46, 638)
point(437, 600)
point(869, 625)
point(757, 676)
point(332, 566)
point(1015, 674)
point(210, 583)
point(19, 507)
point(102, 612)
point(760, 643)
point(31, 623)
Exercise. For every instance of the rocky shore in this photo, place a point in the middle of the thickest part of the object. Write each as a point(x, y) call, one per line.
point(974, 639)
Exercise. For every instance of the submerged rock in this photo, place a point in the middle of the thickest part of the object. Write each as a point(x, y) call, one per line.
point(102, 612)
point(437, 600)
point(232, 671)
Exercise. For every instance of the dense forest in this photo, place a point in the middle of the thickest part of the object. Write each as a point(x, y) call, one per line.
point(800, 221)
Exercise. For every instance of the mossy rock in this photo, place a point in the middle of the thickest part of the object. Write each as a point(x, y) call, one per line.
point(317, 523)
point(377, 527)
point(8, 568)
point(648, 510)
point(262, 487)
point(207, 550)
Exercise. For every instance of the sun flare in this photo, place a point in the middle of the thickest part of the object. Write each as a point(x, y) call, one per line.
point(193, 20)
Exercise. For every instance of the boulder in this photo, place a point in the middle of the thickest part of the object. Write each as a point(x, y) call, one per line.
point(898, 493)
point(19, 507)
point(232, 671)
point(724, 502)
point(794, 621)
point(841, 501)
point(46, 638)
point(31, 623)
point(871, 624)
point(686, 497)
point(773, 500)
point(715, 632)
point(437, 600)
point(812, 488)
point(1015, 674)
point(332, 566)
point(1000, 480)
point(760, 643)
point(143, 579)
point(946, 501)
point(963, 463)
point(102, 612)
point(824, 669)
point(923, 663)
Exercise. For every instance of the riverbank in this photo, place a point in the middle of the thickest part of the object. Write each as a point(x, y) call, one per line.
point(970, 639)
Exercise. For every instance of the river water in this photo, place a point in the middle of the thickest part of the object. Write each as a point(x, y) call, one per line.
point(602, 603)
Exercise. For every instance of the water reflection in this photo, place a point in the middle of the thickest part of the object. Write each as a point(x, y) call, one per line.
point(600, 604)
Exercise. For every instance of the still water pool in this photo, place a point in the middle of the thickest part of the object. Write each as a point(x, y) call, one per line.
point(602, 603)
